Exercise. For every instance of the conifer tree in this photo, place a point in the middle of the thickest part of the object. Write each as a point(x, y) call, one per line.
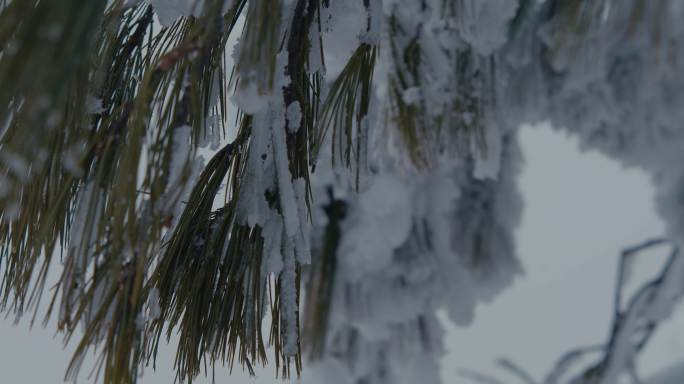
point(360, 171)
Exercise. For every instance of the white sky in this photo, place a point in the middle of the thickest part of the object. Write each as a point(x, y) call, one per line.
point(581, 209)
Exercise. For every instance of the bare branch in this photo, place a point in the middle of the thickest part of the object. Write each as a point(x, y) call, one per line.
point(477, 377)
point(516, 370)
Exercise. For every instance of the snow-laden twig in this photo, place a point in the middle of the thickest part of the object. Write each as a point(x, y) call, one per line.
point(569, 360)
point(477, 377)
point(515, 370)
point(632, 326)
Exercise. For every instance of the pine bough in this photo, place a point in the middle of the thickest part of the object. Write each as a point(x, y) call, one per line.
point(363, 161)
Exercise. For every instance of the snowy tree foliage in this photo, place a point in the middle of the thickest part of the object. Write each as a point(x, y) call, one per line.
point(361, 159)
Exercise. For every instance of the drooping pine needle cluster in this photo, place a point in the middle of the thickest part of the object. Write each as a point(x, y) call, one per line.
point(100, 173)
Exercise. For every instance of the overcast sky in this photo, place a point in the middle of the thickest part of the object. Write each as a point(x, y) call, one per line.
point(581, 209)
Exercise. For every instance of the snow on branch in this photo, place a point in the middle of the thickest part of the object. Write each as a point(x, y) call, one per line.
point(633, 325)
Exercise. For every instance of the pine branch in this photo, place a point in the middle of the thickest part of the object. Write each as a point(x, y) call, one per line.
point(348, 102)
